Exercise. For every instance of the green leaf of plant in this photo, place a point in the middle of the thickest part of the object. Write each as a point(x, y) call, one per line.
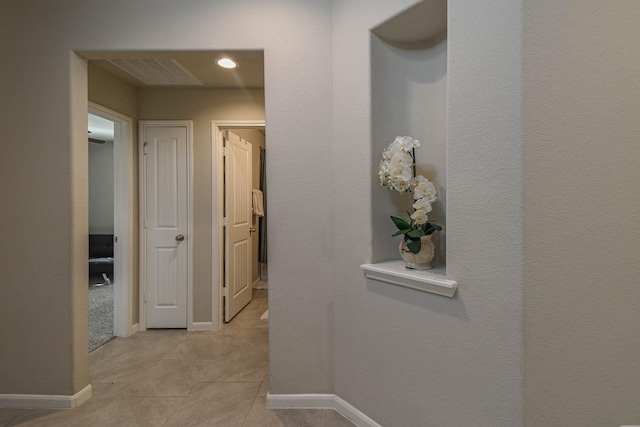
point(414, 245)
point(416, 233)
point(400, 223)
point(399, 232)
point(432, 228)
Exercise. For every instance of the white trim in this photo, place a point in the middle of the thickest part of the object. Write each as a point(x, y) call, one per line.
point(353, 414)
point(217, 209)
point(201, 326)
point(142, 231)
point(320, 401)
point(142, 125)
point(300, 401)
point(124, 212)
point(393, 272)
point(45, 401)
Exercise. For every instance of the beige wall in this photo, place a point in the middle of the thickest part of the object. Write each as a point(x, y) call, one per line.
point(202, 106)
point(582, 213)
point(258, 141)
point(111, 92)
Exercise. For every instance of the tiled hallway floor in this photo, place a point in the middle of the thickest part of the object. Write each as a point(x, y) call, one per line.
point(179, 378)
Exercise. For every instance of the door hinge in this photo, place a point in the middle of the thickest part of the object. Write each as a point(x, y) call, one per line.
point(144, 148)
point(225, 221)
point(145, 296)
point(225, 151)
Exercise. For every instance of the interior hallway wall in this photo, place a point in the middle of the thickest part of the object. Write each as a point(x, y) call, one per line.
point(407, 358)
point(48, 190)
point(202, 106)
point(582, 212)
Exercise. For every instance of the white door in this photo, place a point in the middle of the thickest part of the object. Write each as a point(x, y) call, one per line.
point(238, 230)
point(166, 207)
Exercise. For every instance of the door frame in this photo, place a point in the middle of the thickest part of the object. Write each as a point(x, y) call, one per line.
point(142, 179)
point(123, 219)
point(217, 209)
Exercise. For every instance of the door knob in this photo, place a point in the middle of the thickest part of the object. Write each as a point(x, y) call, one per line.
point(252, 230)
point(180, 237)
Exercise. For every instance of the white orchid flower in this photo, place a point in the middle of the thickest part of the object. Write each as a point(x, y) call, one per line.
point(419, 217)
point(423, 205)
point(425, 190)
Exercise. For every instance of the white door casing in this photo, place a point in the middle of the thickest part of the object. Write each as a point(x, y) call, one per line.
point(218, 129)
point(238, 185)
point(166, 224)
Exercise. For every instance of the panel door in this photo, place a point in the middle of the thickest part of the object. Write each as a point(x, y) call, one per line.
point(166, 167)
point(238, 211)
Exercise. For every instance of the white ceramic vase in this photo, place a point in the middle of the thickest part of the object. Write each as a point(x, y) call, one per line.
point(421, 260)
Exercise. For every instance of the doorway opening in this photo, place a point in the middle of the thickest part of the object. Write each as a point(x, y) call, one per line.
point(230, 95)
point(111, 216)
point(254, 132)
point(101, 231)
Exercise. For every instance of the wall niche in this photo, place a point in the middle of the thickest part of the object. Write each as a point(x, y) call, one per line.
point(409, 97)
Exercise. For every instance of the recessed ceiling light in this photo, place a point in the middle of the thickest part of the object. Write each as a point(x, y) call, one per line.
point(227, 63)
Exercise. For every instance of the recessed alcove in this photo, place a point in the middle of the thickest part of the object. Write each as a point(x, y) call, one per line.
point(409, 97)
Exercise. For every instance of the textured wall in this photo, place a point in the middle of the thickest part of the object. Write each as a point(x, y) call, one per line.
point(409, 97)
point(403, 357)
point(45, 205)
point(582, 213)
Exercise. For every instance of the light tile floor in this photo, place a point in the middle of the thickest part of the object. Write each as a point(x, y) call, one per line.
point(179, 378)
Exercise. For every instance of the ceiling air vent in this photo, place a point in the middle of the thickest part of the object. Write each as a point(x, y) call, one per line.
point(157, 72)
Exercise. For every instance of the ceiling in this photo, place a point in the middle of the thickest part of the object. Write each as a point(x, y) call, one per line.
point(182, 68)
point(175, 69)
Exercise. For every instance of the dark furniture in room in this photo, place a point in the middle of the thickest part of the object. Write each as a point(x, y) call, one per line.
point(101, 256)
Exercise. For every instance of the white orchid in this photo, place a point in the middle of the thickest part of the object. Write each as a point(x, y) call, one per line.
point(425, 190)
point(397, 172)
point(419, 217)
point(423, 205)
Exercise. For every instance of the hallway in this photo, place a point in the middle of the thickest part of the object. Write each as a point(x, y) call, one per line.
point(177, 378)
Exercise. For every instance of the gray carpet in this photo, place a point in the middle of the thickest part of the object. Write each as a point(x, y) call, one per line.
point(100, 314)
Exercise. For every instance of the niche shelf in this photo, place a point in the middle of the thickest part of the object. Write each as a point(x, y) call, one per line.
point(409, 58)
point(393, 272)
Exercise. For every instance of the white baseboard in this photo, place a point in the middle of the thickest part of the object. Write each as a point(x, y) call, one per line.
point(135, 328)
point(201, 326)
point(324, 401)
point(45, 401)
point(300, 401)
point(353, 414)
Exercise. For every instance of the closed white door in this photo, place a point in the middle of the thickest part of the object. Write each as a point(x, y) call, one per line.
point(238, 211)
point(166, 208)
